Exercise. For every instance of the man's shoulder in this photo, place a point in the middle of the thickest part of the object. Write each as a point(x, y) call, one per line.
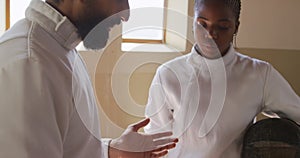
point(14, 43)
point(18, 30)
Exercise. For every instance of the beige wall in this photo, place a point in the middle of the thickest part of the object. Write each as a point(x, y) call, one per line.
point(266, 33)
point(285, 61)
point(272, 24)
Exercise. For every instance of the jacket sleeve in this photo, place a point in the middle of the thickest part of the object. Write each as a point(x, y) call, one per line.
point(33, 117)
point(158, 107)
point(38, 117)
point(279, 97)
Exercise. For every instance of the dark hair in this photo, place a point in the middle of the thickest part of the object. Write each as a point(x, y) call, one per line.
point(234, 5)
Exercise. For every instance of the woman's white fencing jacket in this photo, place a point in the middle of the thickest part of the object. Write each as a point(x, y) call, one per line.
point(208, 104)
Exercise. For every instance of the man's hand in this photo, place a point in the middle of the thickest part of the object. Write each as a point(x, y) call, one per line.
point(132, 144)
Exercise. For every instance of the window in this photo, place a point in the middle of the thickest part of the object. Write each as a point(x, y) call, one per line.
point(3, 16)
point(146, 22)
point(17, 10)
point(151, 22)
point(11, 12)
point(172, 18)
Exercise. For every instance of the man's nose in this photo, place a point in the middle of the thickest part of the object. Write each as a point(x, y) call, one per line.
point(125, 13)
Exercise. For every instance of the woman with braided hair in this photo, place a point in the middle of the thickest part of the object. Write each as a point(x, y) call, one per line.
point(210, 96)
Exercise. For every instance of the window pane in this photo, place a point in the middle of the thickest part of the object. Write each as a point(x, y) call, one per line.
point(17, 10)
point(146, 20)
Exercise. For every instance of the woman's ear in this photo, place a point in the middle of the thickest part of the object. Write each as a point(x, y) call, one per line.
point(237, 27)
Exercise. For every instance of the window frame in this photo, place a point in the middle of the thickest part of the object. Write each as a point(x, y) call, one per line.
point(124, 40)
point(166, 34)
point(7, 14)
point(150, 41)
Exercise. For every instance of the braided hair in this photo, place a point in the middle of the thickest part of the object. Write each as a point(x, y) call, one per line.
point(234, 5)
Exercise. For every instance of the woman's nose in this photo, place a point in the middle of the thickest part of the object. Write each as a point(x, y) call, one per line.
point(212, 33)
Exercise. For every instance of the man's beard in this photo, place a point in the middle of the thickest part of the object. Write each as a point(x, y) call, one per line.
point(95, 35)
point(97, 38)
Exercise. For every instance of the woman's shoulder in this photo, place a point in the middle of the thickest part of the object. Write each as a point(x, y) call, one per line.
point(177, 65)
point(175, 62)
point(249, 60)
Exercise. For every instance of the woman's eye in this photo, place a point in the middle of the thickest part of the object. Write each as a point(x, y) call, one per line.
point(203, 24)
point(223, 27)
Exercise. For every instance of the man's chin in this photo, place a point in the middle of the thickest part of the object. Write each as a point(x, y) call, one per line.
point(96, 39)
point(94, 44)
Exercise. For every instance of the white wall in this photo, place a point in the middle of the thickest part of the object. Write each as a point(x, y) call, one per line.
point(271, 24)
point(2, 16)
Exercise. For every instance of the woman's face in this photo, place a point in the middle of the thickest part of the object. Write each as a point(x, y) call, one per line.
point(220, 24)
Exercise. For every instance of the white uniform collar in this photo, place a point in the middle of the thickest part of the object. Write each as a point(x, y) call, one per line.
point(199, 61)
point(59, 26)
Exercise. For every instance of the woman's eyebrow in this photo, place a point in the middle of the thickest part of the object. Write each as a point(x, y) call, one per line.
point(201, 17)
point(220, 20)
point(225, 20)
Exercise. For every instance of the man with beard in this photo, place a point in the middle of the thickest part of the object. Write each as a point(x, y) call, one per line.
point(48, 108)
